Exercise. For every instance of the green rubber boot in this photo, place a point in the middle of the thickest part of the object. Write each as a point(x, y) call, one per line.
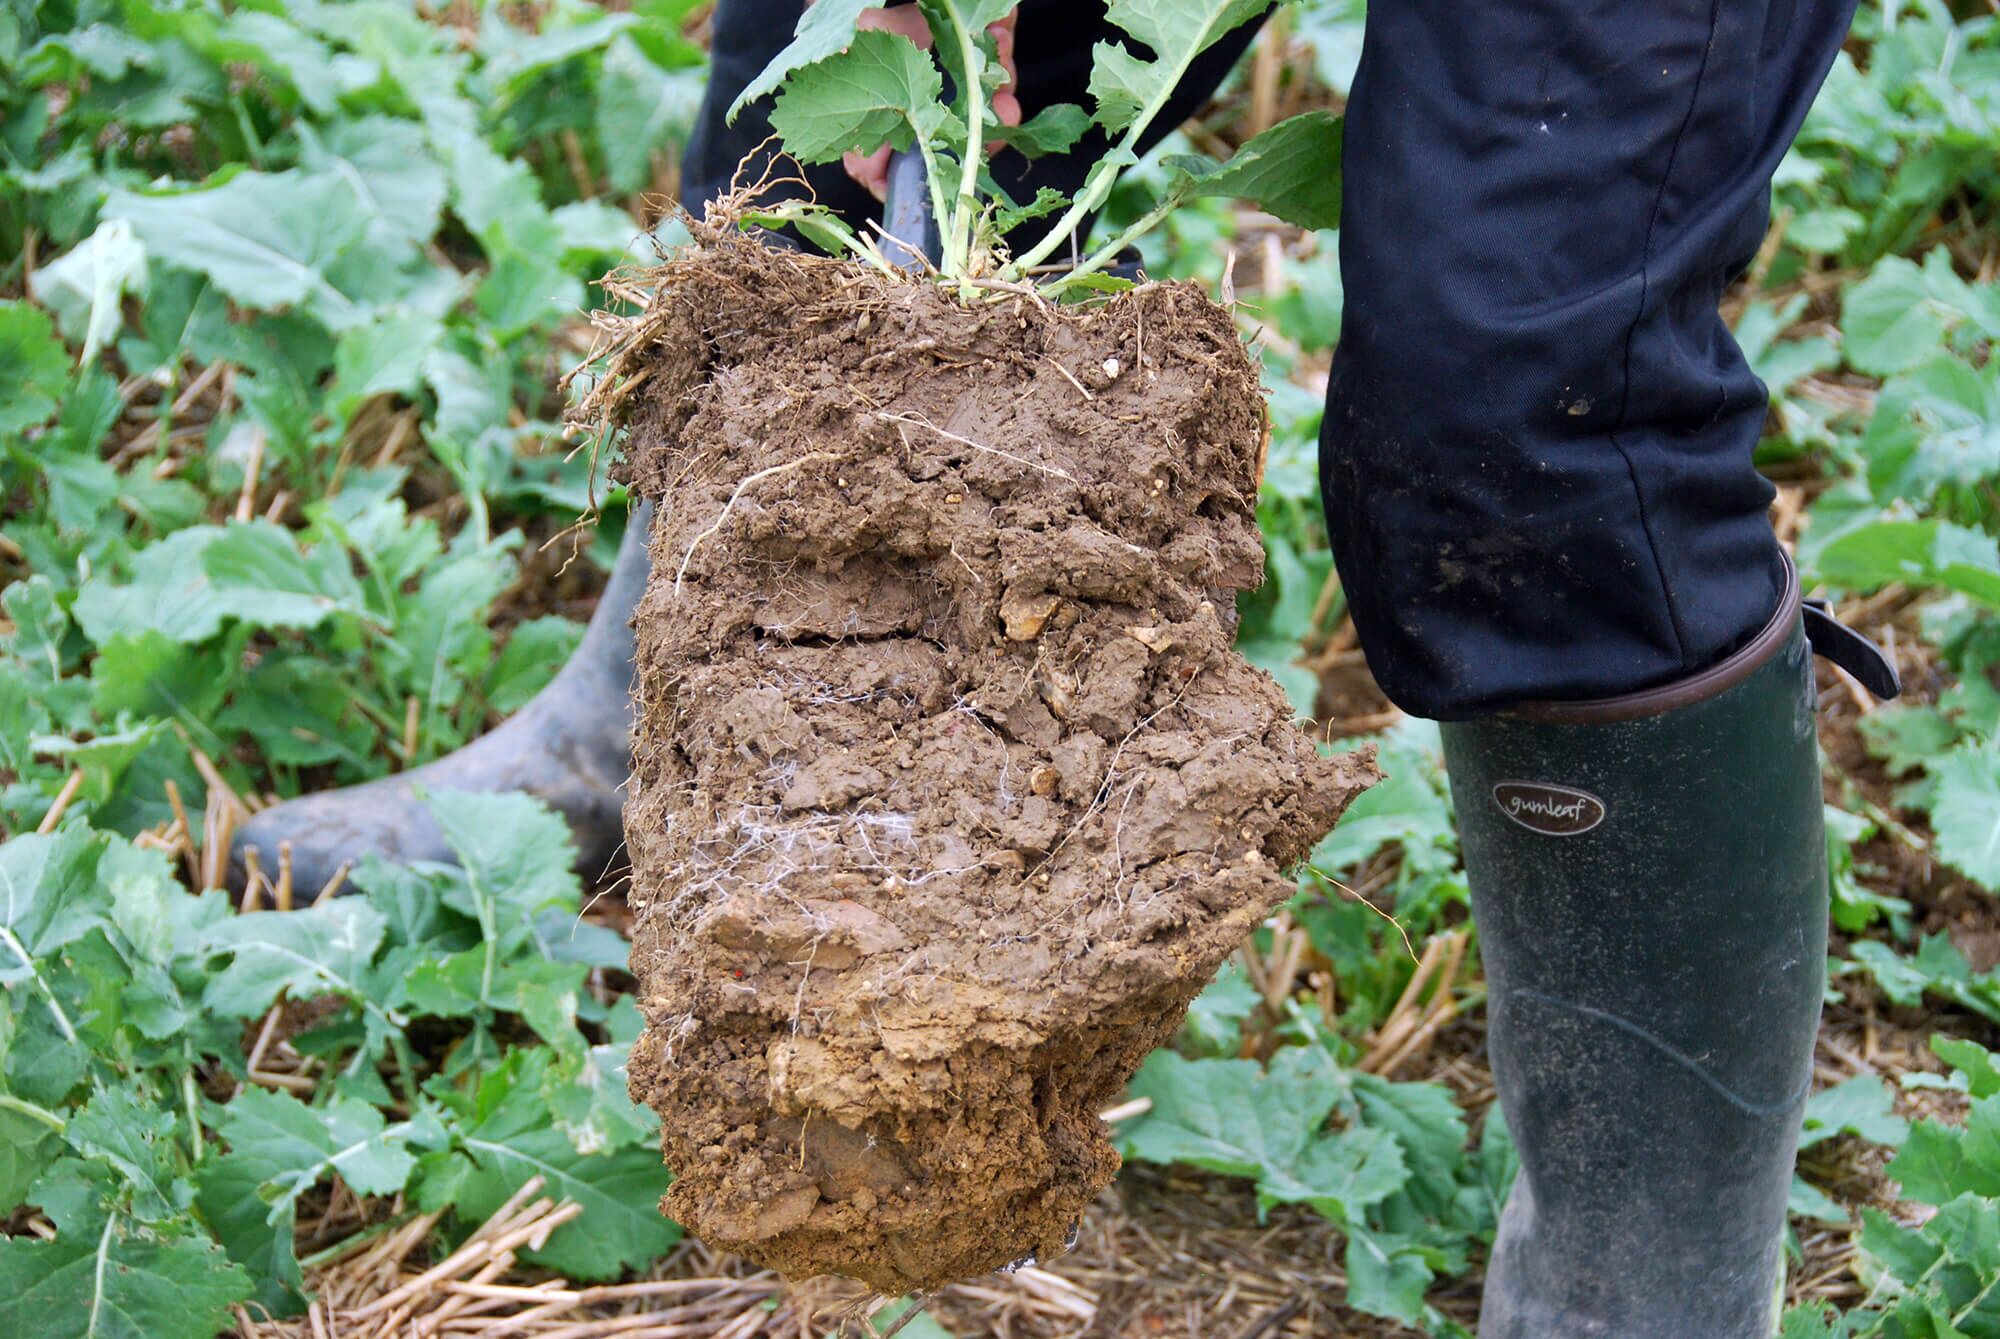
point(1649, 881)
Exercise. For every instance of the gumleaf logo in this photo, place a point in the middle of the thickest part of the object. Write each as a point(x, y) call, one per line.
point(1553, 811)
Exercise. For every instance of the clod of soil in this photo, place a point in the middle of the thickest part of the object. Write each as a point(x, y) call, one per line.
point(949, 793)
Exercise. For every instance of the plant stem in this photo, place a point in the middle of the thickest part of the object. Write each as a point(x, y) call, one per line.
point(22, 1107)
point(1094, 195)
point(1107, 253)
point(935, 182)
point(1960, 1316)
point(1098, 188)
point(959, 244)
point(20, 951)
point(193, 1102)
point(352, 1243)
point(97, 1277)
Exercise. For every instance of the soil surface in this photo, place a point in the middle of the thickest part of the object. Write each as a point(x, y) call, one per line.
point(949, 793)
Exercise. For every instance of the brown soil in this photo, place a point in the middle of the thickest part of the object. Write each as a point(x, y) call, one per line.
point(949, 793)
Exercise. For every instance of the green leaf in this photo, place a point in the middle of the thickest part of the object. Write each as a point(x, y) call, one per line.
point(1937, 967)
point(1387, 1275)
point(285, 49)
point(473, 392)
point(1341, 1175)
point(1813, 1321)
point(264, 579)
point(1863, 1106)
point(522, 292)
point(498, 198)
point(1780, 363)
point(1177, 31)
point(1291, 170)
point(1921, 553)
point(1905, 1253)
point(514, 57)
point(1214, 1024)
point(266, 239)
point(279, 1148)
point(324, 949)
point(33, 367)
point(102, 49)
point(27, 1146)
point(881, 90)
point(151, 675)
point(542, 992)
point(117, 1283)
point(535, 650)
point(1120, 84)
point(1404, 808)
point(1979, 1065)
point(45, 1062)
point(1901, 314)
point(40, 625)
point(567, 937)
point(1965, 812)
point(1982, 1146)
point(593, 231)
point(257, 1236)
point(517, 855)
point(923, 1326)
point(86, 287)
point(642, 110)
point(301, 1145)
point(104, 757)
point(1935, 425)
point(1855, 905)
point(1809, 1201)
point(824, 29)
point(1969, 1230)
point(135, 1139)
point(1499, 1159)
point(1906, 737)
point(76, 1194)
point(1887, 322)
point(388, 166)
point(1427, 1122)
point(621, 1226)
point(300, 712)
point(384, 357)
point(81, 486)
point(969, 55)
point(49, 897)
point(1232, 1116)
point(1048, 200)
point(1054, 129)
point(1935, 1166)
point(596, 1110)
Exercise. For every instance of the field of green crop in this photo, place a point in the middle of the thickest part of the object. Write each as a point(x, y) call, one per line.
point(286, 290)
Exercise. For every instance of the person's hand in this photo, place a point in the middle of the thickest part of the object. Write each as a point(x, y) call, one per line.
point(872, 169)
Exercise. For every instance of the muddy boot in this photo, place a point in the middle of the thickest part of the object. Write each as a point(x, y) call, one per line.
point(570, 748)
point(1649, 881)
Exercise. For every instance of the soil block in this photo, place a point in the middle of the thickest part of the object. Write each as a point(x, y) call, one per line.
point(949, 791)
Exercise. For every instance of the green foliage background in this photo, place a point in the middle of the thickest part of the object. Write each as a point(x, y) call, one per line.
point(347, 246)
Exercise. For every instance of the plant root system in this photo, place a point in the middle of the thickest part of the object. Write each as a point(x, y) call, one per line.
point(949, 792)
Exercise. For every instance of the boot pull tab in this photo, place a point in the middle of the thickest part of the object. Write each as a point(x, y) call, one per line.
point(1851, 651)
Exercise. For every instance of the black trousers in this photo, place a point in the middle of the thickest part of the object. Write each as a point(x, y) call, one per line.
point(1536, 455)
